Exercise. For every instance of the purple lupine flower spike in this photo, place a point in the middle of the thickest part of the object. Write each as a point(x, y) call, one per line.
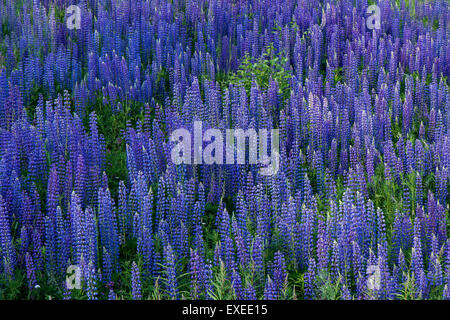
point(136, 292)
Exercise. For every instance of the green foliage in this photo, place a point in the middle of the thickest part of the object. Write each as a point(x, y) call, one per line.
point(223, 290)
point(297, 281)
point(112, 125)
point(12, 287)
point(6, 30)
point(409, 290)
point(328, 290)
point(338, 75)
point(156, 292)
point(271, 65)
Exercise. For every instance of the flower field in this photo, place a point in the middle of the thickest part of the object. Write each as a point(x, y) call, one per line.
point(93, 205)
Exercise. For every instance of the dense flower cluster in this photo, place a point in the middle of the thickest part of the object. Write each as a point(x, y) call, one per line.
point(364, 176)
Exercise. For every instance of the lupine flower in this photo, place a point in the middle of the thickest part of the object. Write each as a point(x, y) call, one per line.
point(135, 282)
point(7, 254)
point(279, 273)
point(196, 269)
point(31, 272)
point(169, 260)
point(67, 295)
point(90, 278)
point(112, 295)
point(270, 292)
point(361, 113)
point(310, 280)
